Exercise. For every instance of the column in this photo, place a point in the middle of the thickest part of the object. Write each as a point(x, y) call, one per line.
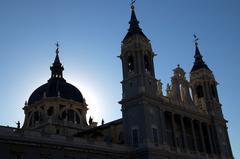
point(214, 142)
point(202, 138)
point(230, 154)
point(210, 138)
point(162, 127)
point(184, 134)
point(194, 136)
point(74, 117)
point(174, 130)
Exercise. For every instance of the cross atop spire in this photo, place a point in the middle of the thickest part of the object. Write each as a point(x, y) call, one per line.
point(195, 39)
point(57, 50)
point(197, 52)
point(132, 4)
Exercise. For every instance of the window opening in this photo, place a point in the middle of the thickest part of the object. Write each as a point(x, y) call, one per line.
point(64, 114)
point(77, 119)
point(199, 90)
point(146, 63)
point(130, 64)
point(135, 137)
point(155, 136)
point(36, 116)
point(213, 90)
point(50, 111)
point(71, 115)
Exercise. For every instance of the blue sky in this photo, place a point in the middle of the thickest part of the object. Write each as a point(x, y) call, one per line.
point(90, 34)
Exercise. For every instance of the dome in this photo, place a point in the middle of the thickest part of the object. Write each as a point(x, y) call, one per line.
point(56, 87)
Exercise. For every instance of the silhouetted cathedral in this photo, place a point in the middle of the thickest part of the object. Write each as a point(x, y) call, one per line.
point(186, 123)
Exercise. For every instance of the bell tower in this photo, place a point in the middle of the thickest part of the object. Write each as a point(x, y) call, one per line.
point(204, 85)
point(205, 96)
point(140, 88)
point(137, 62)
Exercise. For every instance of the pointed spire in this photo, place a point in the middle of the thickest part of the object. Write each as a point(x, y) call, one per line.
point(57, 67)
point(198, 63)
point(134, 24)
point(57, 60)
point(133, 21)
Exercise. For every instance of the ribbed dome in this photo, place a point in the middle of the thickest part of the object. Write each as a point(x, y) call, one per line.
point(56, 87)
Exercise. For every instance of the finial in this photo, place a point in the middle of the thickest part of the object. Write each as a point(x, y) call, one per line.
point(195, 39)
point(57, 50)
point(198, 63)
point(132, 4)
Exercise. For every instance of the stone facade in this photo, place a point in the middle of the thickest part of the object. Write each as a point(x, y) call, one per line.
point(186, 123)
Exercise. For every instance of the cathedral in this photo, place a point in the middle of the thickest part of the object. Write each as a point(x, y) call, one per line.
point(186, 123)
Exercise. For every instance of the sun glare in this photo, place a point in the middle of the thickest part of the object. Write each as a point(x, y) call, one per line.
point(92, 97)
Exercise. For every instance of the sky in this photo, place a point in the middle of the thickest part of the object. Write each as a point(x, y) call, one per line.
point(90, 35)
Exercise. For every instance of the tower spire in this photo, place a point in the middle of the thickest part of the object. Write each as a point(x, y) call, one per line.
point(57, 67)
point(134, 27)
point(133, 21)
point(198, 63)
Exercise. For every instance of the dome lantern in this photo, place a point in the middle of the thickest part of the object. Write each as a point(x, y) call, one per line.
point(57, 67)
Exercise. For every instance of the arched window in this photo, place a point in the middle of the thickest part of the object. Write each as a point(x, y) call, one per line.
point(50, 111)
point(130, 64)
point(35, 117)
point(77, 119)
point(199, 91)
point(146, 63)
point(71, 116)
